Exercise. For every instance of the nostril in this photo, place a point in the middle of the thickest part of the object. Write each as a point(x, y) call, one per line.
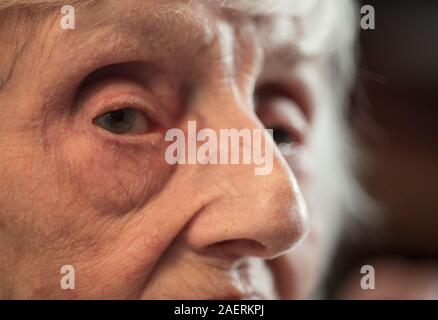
point(236, 248)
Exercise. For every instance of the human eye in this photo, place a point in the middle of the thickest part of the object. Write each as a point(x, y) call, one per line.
point(279, 109)
point(123, 121)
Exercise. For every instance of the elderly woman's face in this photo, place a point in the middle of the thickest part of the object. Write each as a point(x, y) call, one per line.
point(84, 180)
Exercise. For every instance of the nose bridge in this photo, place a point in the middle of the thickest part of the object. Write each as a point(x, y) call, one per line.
point(258, 215)
point(228, 107)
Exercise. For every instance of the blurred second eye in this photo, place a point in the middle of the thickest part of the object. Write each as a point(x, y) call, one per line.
point(127, 121)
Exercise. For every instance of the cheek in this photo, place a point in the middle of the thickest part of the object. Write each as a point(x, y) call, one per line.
point(115, 178)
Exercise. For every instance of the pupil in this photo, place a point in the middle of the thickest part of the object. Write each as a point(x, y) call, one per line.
point(281, 136)
point(117, 116)
point(120, 120)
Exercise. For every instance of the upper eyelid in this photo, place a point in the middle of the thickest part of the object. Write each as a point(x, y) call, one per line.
point(295, 90)
point(139, 97)
point(121, 103)
point(138, 71)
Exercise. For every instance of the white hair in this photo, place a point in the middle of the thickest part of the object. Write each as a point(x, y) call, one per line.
point(270, 6)
point(332, 16)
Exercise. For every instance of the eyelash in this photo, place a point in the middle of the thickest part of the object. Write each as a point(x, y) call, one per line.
point(120, 103)
point(267, 95)
point(123, 102)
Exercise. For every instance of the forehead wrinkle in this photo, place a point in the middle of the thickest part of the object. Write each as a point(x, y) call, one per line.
point(161, 30)
point(21, 21)
point(170, 22)
point(133, 38)
point(14, 42)
point(7, 68)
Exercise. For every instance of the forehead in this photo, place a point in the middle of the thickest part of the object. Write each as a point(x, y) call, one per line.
point(156, 22)
point(177, 27)
point(322, 15)
point(321, 22)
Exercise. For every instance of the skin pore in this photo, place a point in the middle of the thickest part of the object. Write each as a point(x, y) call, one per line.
point(74, 193)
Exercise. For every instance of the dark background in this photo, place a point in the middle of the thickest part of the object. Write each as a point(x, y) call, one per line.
point(394, 115)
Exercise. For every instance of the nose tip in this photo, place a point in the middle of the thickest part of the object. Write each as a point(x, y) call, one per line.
point(282, 217)
point(252, 215)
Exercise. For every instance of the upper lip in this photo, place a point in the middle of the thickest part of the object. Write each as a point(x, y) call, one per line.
point(252, 279)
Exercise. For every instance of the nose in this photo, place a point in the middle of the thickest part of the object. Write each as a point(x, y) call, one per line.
point(247, 214)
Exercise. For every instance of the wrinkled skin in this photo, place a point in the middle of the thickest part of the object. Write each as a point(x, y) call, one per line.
point(72, 193)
